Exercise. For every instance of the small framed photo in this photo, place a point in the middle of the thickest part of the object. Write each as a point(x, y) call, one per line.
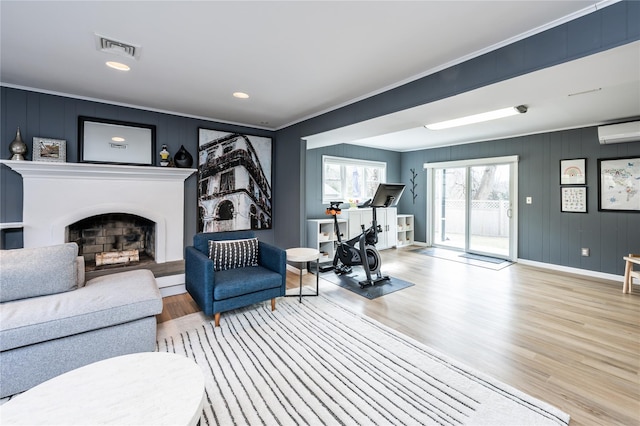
point(573, 199)
point(49, 150)
point(573, 172)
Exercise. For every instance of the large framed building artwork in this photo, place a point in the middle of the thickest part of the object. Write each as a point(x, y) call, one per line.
point(234, 181)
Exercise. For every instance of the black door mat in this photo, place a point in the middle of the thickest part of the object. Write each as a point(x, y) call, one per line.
point(352, 282)
point(482, 258)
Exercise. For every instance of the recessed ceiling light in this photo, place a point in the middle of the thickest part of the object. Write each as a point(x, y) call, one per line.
point(478, 118)
point(240, 95)
point(118, 66)
point(117, 139)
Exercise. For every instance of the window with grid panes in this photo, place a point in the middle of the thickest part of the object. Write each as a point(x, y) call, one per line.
point(350, 180)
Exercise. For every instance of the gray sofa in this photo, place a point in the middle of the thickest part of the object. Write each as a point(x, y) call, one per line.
point(52, 322)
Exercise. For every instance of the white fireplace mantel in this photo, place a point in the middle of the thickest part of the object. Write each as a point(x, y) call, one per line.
point(56, 195)
point(52, 170)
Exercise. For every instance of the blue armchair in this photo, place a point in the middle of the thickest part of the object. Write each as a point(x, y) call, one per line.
point(217, 291)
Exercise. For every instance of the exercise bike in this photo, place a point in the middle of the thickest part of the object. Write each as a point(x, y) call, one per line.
point(361, 250)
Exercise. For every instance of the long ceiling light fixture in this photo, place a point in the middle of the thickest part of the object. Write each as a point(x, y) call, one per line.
point(478, 118)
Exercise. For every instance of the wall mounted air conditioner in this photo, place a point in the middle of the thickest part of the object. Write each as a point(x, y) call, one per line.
point(618, 133)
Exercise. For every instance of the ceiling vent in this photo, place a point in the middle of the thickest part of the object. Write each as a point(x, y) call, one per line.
point(121, 48)
point(619, 133)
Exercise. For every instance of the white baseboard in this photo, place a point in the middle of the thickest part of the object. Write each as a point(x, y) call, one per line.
point(577, 271)
point(171, 285)
point(173, 290)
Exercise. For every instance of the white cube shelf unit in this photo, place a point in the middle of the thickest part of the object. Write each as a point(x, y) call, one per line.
point(405, 229)
point(321, 236)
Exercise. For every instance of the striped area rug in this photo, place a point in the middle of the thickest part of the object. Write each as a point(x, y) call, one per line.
point(317, 363)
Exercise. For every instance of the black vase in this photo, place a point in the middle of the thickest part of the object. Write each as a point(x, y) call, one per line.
point(182, 158)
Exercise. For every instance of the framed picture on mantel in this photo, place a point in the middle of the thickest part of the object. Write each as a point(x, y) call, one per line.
point(54, 150)
point(116, 142)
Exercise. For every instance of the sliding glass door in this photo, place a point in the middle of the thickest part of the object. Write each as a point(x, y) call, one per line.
point(489, 210)
point(472, 206)
point(449, 207)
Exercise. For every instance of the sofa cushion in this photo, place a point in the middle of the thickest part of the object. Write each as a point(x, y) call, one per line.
point(103, 302)
point(231, 254)
point(80, 267)
point(242, 281)
point(38, 271)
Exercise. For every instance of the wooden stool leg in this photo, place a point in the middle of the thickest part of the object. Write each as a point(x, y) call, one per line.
point(626, 286)
point(273, 304)
point(217, 319)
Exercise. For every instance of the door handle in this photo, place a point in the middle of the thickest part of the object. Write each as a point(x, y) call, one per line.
point(509, 213)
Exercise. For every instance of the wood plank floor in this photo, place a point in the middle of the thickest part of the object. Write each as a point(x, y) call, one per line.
point(570, 340)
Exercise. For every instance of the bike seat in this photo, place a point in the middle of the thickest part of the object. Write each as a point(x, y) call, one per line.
point(334, 208)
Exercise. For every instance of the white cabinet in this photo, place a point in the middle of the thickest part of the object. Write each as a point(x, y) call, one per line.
point(321, 236)
point(405, 229)
point(356, 218)
point(386, 218)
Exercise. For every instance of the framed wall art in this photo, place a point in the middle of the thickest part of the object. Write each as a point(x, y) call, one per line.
point(234, 181)
point(54, 150)
point(573, 199)
point(619, 184)
point(573, 172)
point(118, 142)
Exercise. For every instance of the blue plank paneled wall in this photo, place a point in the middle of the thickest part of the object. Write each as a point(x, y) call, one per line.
point(53, 116)
point(608, 27)
point(315, 208)
point(545, 234)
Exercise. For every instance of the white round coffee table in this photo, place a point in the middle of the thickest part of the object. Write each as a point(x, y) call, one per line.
point(304, 255)
point(151, 388)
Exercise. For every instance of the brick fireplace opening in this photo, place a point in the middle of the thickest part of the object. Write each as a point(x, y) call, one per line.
point(114, 233)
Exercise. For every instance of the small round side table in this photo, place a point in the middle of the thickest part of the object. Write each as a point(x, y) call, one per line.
point(304, 255)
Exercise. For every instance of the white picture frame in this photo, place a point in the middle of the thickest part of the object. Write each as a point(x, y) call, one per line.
point(573, 172)
point(573, 199)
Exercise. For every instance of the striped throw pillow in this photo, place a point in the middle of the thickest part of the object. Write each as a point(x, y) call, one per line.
point(230, 254)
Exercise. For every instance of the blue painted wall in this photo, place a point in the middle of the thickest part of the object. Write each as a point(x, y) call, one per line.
point(313, 190)
point(544, 233)
point(541, 223)
point(615, 25)
point(51, 116)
